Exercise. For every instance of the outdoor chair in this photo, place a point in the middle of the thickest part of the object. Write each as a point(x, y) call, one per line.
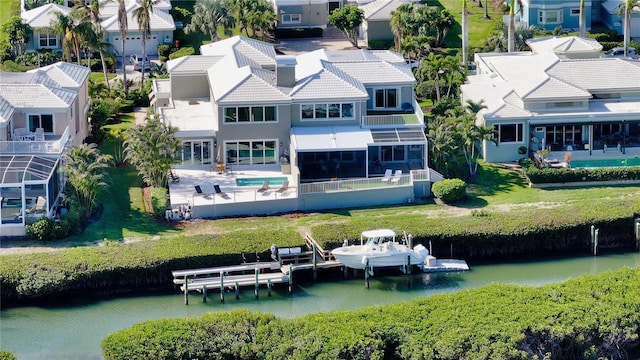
point(396, 177)
point(264, 188)
point(284, 187)
point(219, 192)
point(387, 176)
point(39, 134)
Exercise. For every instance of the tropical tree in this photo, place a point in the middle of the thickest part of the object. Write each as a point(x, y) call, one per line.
point(626, 8)
point(465, 31)
point(400, 23)
point(91, 11)
point(442, 144)
point(18, 32)
point(143, 16)
point(123, 25)
point(68, 28)
point(471, 135)
point(511, 40)
point(348, 20)
point(254, 16)
point(152, 149)
point(583, 20)
point(85, 168)
point(207, 16)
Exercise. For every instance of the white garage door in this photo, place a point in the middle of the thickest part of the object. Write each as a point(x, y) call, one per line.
point(133, 44)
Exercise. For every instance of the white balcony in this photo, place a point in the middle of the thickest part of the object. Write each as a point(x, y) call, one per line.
point(53, 144)
point(396, 119)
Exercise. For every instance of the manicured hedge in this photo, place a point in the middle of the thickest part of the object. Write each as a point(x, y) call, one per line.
point(449, 190)
point(568, 175)
point(525, 230)
point(586, 318)
point(116, 266)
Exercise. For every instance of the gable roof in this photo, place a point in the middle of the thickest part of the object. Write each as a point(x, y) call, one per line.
point(603, 73)
point(246, 50)
point(562, 45)
point(65, 74)
point(159, 20)
point(41, 16)
point(192, 64)
point(6, 112)
point(381, 9)
point(37, 96)
point(315, 76)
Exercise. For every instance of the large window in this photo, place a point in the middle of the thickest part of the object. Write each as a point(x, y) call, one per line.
point(250, 114)
point(550, 17)
point(196, 152)
point(509, 133)
point(254, 152)
point(41, 121)
point(291, 18)
point(386, 98)
point(48, 41)
point(331, 111)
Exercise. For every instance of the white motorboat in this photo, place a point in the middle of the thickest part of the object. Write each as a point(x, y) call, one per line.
point(380, 248)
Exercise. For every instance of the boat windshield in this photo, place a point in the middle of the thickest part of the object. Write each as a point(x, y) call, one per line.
point(378, 240)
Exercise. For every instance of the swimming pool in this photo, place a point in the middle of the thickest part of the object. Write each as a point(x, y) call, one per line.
point(258, 181)
point(605, 163)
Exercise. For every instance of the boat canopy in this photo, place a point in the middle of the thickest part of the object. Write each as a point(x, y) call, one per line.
point(379, 233)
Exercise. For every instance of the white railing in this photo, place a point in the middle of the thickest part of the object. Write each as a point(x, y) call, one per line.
point(390, 120)
point(35, 147)
point(353, 185)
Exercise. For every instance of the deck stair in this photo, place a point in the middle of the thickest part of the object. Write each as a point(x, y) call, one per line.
point(324, 254)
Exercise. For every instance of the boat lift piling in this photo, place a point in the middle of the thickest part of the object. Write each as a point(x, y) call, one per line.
point(637, 232)
point(366, 272)
point(409, 270)
point(594, 239)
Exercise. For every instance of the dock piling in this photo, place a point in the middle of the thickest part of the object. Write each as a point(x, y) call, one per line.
point(366, 273)
point(595, 243)
point(237, 291)
point(204, 294)
point(221, 287)
point(186, 290)
point(637, 232)
point(290, 280)
point(257, 282)
point(315, 262)
point(269, 285)
point(409, 270)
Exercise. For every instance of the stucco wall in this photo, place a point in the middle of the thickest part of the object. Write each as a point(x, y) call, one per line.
point(189, 86)
point(378, 30)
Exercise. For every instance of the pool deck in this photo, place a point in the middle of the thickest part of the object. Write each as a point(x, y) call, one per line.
point(183, 192)
point(611, 153)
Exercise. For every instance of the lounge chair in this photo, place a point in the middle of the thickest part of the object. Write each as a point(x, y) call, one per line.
point(219, 192)
point(387, 176)
point(284, 187)
point(396, 176)
point(265, 187)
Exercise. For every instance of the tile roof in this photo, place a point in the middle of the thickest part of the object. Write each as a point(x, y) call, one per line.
point(6, 111)
point(160, 20)
point(564, 45)
point(377, 72)
point(320, 75)
point(244, 48)
point(41, 16)
point(381, 9)
point(37, 96)
point(552, 88)
point(599, 74)
point(192, 64)
point(65, 74)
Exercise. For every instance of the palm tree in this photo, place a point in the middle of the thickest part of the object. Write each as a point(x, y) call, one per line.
point(85, 168)
point(152, 149)
point(511, 41)
point(143, 15)
point(207, 16)
point(626, 8)
point(583, 20)
point(123, 26)
point(400, 23)
point(465, 32)
point(66, 26)
point(92, 11)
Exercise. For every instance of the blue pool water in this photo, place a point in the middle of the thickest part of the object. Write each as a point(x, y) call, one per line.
point(273, 181)
point(605, 163)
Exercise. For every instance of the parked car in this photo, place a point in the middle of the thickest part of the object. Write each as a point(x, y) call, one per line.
point(136, 61)
point(619, 52)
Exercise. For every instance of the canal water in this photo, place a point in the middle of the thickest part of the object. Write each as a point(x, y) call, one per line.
point(73, 328)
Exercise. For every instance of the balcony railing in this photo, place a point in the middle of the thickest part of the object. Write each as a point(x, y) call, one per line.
point(416, 118)
point(36, 147)
point(353, 185)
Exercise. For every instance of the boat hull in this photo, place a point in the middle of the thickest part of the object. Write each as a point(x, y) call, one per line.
point(356, 257)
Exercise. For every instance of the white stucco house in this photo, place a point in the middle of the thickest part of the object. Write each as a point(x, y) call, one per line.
point(561, 96)
point(324, 120)
point(42, 112)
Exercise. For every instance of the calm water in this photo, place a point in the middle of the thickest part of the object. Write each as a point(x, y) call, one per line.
point(74, 328)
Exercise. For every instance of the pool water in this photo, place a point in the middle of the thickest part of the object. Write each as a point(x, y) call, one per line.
point(605, 163)
point(258, 181)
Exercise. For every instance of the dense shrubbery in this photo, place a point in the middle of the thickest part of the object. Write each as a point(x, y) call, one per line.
point(184, 51)
point(567, 175)
point(159, 201)
point(50, 229)
point(130, 266)
point(380, 44)
point(449, 190)
point(6, 355)
point(586, 318)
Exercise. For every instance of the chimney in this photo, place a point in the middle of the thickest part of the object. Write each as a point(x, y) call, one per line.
point(285, 70)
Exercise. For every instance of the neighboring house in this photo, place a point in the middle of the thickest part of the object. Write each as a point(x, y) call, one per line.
point(317, 117)
point(161, 23)
point(561, 96)
point(377, 16)
point(40, 20)
point(41, 112)
point(550, 14)
point(303, 13)
point(162, 27)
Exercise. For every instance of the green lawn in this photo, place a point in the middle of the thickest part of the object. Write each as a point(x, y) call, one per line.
point(479, 27)
point(99, 76)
